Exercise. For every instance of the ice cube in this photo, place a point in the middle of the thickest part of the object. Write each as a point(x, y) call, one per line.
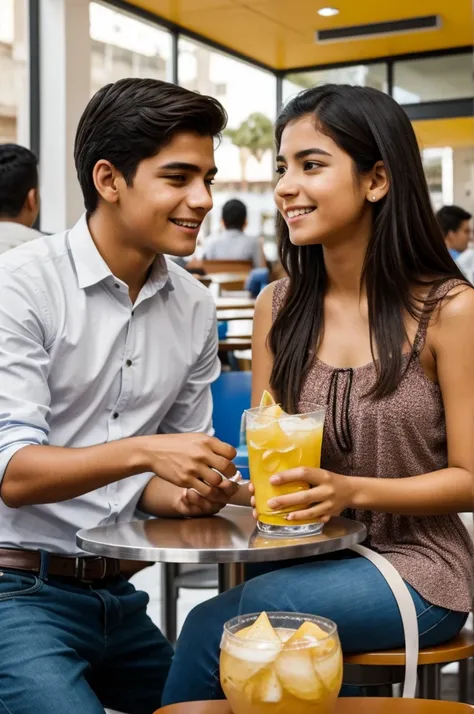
point(329, 669)
point(264, 687)
point(291, 425)
point(296, 673)
point(248, 660)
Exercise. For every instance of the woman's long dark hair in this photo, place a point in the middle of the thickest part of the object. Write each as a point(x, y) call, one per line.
point(406, 247)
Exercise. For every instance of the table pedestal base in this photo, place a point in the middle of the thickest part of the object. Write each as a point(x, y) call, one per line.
point(230, 575)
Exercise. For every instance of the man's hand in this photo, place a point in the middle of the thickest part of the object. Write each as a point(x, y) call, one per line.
point(191, 504)
point(190, 461)
point(164, 499)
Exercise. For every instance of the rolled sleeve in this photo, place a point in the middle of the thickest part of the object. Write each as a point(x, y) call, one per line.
point(24, 367)
point(192, 410)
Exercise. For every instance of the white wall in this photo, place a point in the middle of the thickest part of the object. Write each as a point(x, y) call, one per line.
point(65, 82)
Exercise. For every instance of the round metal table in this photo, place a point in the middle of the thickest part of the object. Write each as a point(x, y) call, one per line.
point(229, 539)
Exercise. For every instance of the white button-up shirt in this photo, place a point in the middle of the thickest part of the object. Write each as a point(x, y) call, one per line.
point(466, 263)
point(14, 234)
point(80, 366)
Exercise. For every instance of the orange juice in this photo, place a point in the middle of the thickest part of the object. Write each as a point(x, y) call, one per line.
point(279, 442)
point(284, 662)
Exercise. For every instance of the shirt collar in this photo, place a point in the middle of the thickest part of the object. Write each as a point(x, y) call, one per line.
point(159, 277)
point(91, 268)
point(232, 233)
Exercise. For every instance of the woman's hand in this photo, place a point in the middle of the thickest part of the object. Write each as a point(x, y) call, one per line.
point(252, 499)
point(329, 496)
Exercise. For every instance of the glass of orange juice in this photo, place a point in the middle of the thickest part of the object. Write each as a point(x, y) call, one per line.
point(279, 663)
point(277, 442)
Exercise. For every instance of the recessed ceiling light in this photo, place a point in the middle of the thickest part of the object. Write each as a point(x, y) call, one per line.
point(328, 11)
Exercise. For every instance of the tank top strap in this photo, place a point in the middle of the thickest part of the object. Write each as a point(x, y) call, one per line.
point(436, 294)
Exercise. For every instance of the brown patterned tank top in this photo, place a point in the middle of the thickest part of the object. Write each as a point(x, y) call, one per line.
point(401, 435)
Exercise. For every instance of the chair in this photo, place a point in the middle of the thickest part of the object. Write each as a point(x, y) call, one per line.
point(346, 705)
point(227, 266)
point(231, 396)
point(384, 668)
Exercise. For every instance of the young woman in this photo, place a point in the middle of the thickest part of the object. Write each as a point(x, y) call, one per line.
point(377, 322)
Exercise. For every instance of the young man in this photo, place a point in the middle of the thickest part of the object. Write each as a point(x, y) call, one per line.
point(19, 201)
point(454, 222)
point(107, 353)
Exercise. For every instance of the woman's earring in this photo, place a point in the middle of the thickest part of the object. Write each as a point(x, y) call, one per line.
point(374, 198)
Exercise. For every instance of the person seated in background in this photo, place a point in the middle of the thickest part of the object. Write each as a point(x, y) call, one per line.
point(19, 199)
point(466, 262)
point(454, 224)
point(107, 354)
point(234, 244)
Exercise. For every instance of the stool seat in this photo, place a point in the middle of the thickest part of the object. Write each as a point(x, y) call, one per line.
point(346, 705)
point(461, 647)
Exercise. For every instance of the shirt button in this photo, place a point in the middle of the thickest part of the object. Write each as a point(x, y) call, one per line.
point(133, 313)
point(116, 285)
point(115, 415)
point(128, 363)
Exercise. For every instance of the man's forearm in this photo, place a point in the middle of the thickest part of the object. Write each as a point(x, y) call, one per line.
point(48, 474)
point(159, 498)
point(446, 491)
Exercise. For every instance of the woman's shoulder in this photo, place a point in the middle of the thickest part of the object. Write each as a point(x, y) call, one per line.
point(450, 298)
point(456, 301)
point(271, 299)
point(452, 317)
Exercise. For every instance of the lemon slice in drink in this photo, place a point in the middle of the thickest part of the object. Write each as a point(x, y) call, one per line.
point(267, 399)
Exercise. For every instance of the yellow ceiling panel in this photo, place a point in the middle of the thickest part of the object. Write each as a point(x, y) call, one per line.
point(280, 33)
point(457, 132)
point(178, 11)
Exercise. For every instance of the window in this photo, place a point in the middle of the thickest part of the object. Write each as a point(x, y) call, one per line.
point(370, 75)
point(122, 46)
point(246, 169)
point(14, 110)
point(433, 78)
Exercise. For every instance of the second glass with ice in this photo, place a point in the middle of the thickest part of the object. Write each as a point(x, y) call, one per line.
point(279, 442)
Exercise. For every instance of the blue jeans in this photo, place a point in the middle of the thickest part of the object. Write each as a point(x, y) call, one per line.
point(345, 587)
point(256, 281)
point(75, 649)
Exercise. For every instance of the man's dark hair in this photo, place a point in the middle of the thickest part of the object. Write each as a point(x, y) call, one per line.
point(451, 217)
point(18, 175)
point(234, 214)
point(131, 120)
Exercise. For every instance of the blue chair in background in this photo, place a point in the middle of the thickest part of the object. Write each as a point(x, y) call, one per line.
point(231, 396)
